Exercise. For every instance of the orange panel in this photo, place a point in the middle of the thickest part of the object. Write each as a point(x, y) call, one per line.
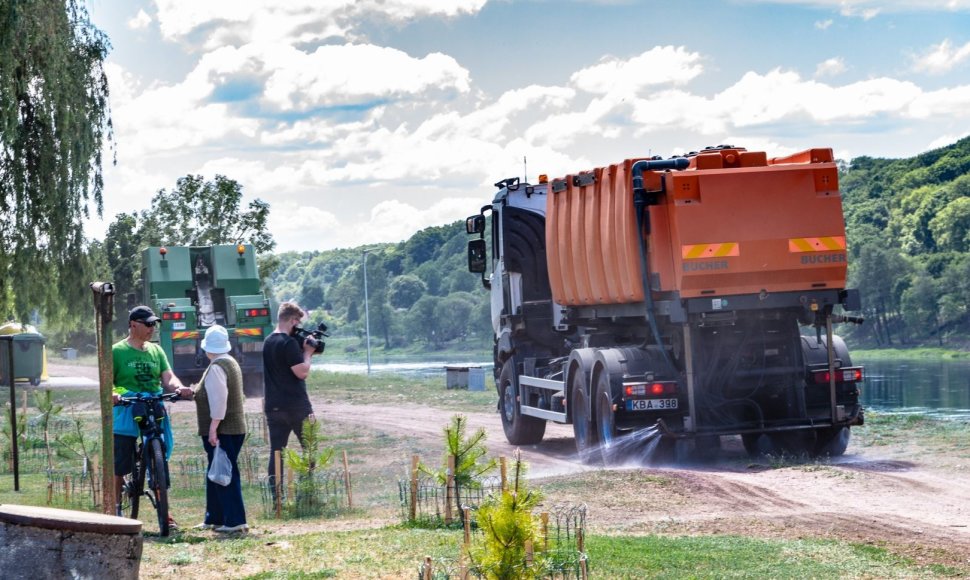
point(725, 231)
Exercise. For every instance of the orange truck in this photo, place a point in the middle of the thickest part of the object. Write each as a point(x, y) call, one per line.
point(657, 305)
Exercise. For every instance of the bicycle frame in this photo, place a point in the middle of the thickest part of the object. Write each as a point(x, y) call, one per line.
point(150, 464)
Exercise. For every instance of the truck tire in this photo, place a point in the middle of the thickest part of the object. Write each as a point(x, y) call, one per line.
point(831, 442)
point(584, 429)
point(609, 448)
point(519, 429)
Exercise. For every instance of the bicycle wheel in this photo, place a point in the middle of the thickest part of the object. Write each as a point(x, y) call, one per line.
point(159, 485)
point(132, 489)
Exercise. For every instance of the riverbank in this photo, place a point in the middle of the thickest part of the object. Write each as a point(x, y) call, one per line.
point(923, 353)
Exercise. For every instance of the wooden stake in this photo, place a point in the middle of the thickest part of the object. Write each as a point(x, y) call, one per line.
point(67, 489)
point(468, 526)
point(582, 569)
point(289, 483)
point(463, 563)
point(449, 489)
point(580, 544)
point(277, 463)
point(504, 465)
point(427, 568)
point(529, 554)
point(545, 531)
point(413, 513)
point(350, 496)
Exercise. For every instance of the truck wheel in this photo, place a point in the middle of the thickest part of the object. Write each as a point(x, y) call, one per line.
point(519, 429)
point(584, 431)
point(832, 441)
point(609, 438)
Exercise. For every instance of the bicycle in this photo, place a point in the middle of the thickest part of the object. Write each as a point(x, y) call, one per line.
point(149, 459)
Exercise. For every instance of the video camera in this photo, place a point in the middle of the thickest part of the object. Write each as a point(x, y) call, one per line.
point(314, 337)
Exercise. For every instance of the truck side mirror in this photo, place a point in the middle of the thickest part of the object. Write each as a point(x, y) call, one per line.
point(475, 224)
point(477, 256)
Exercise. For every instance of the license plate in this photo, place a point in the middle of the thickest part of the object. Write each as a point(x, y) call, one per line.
point(178, 326)
point(650, 404)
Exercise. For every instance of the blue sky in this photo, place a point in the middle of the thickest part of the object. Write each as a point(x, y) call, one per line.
point(363, 121)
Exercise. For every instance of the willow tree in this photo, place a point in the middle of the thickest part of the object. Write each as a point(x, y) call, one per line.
point(54, 119)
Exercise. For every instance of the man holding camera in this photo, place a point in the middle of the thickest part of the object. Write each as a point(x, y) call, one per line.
point(286, 365)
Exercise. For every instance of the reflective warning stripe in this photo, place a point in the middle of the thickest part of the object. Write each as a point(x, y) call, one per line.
point(829, 244)
point(249, 331)
point(185, 335)
point(695, 251)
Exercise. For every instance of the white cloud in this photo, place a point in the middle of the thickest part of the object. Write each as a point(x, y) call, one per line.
point(823, 24)
point(945, 140)
point(661, 65)
point(140, 21)
point(830, 67)
point(868, 9)
point(941, 58)
point(220, 22)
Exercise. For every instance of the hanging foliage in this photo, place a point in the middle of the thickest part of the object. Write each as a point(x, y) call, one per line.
point(54, 119)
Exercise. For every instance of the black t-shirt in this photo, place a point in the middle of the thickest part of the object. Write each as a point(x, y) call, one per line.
point(283, 391)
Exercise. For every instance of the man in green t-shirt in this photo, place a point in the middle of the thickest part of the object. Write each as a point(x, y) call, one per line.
point(140, 366)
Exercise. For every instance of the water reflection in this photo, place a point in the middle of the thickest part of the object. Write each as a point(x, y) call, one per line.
point(899, 385)
point(938, 386)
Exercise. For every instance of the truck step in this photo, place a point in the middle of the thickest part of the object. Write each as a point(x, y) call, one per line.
point(543, 414)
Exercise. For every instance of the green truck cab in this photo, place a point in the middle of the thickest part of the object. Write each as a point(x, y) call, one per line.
point(194, 287)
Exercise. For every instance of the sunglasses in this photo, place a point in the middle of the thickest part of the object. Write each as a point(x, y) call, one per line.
point(148, 324)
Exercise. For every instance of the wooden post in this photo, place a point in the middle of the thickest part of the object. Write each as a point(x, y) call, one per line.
point(427, 568)
point(277, 484)
point(104, 312)
point(582, 569)
point(463, 563)
point(67, 489)
point(468, 526)
point(580, 544)
point(504, 466)
point(449, 488)
point(529, 554)
point(50, 492)
point(413, 512)
point(545, 531)
point(289, 484)
point(350, 496)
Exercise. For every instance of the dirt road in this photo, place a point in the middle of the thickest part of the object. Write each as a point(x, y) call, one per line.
point(913, 501)
point(916, 504)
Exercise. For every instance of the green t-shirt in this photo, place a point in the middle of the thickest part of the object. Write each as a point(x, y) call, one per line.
point(138, 371)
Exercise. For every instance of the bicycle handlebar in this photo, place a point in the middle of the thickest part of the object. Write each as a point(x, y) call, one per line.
point(128, 400)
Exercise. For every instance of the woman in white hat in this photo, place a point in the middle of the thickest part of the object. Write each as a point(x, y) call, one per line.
point(219, 403)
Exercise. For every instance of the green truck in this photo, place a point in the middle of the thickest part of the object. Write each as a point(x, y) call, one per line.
point(194, 287)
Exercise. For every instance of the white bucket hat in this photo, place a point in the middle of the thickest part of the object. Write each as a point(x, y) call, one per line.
point(216, 340)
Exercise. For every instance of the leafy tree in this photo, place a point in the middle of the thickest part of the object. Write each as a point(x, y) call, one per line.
point(194, 213)
point(405, 291)
point(453, 313)
point(311, 297)
point(951, 226)
point(423, 321)
point(54, 119)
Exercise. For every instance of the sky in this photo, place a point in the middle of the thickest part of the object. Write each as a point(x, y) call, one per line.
point(364, 121)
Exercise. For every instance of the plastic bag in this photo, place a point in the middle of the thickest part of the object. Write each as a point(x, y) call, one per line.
point(220, 472)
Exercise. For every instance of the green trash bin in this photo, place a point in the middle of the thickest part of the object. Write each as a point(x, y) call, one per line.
point(28, 356)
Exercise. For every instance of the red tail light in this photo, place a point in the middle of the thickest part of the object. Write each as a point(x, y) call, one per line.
point(649, 389)
point(847, 375)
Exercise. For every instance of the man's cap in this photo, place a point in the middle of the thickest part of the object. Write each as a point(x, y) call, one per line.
point(216, 340)
point(142, 314)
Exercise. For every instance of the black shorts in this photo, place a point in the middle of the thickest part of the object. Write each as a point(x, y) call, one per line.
point(124, 454)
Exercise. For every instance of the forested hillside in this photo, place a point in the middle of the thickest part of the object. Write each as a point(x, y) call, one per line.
point(908, 224)
point(420, 294)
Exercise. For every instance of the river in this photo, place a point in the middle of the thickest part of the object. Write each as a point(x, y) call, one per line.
point(939, 387)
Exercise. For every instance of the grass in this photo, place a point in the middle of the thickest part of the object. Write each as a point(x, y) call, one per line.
point(929, 353)
point(359, 543)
